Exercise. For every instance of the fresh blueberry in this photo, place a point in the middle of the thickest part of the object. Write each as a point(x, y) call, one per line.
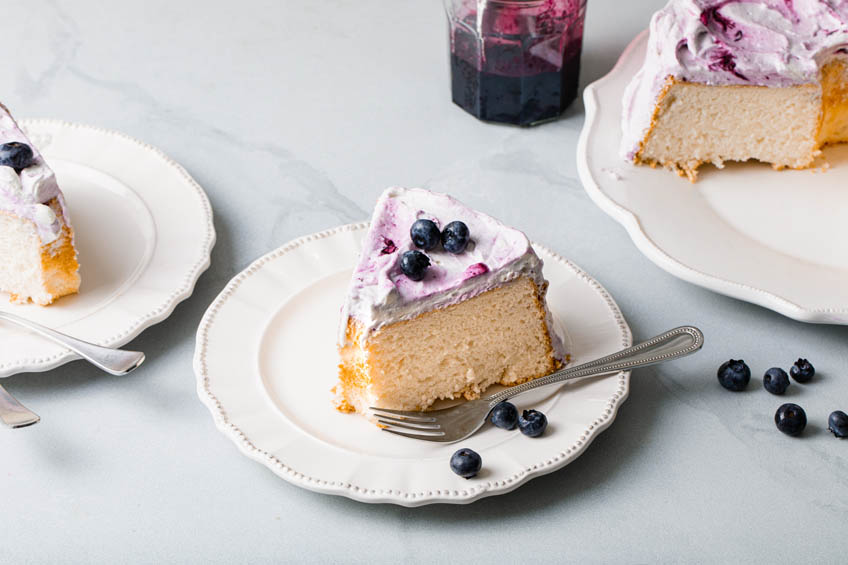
point(16, 155)
point(414, 264)
point(790, 419)
point(532, 423)
point(466, 462)
point(425, 234)
point(776, 380)
point(838, 423)
point(455, 237)
point(734, 375)
point(505, 415)
point(802, 371)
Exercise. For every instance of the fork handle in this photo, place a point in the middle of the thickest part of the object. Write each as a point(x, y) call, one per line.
point(673, 344)
point(13, 414)
point(114, 361)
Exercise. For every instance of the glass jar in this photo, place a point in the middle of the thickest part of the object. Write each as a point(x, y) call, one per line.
point(515, 61)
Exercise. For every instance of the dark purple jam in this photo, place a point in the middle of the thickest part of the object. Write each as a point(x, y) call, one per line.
point(519, 63)
point(522, 100)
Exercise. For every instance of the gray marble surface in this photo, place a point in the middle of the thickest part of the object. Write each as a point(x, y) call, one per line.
point(294, 116)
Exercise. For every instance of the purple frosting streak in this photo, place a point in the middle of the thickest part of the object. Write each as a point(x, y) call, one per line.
point(476, 270)
point(389, 247)
point(725, 61)
point(712, 16)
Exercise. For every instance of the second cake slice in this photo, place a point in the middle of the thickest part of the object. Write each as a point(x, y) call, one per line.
point(476, 318)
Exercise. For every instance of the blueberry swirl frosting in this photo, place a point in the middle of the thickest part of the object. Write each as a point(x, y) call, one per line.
point(774, 43)
point(380, 294)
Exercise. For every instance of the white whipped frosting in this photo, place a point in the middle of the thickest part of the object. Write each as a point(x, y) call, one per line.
point(28, 193)
point(381, 294)
point(732, 42)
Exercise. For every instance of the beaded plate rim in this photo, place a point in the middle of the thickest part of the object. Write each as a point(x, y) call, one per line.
point(405, 498)
point(143, 315)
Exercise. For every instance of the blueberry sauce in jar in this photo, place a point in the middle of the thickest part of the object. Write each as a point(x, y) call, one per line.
point(515, 61)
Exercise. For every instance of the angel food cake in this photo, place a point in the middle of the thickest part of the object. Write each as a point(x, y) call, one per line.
point(444, 302)
point(38, 261)
point(733, 80)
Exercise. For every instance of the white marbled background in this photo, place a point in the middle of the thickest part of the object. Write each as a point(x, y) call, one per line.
point(294, 115)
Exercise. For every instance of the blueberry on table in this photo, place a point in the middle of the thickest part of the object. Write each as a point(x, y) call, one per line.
point(466, 463)
point(838, 423)
point(776, 380)
point(16, 155)
point(425, 234)
point(455, 237)
point(734, 375)
point(532, 423)
point(505, 415)
point(802, 371)
point(790, 419)
point(414, 264)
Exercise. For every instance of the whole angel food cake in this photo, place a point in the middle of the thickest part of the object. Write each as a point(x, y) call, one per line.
point(733, 80)
point(38, 261)
point(444, 302)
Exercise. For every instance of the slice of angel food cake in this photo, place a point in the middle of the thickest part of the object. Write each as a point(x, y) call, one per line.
point(38, 260)
point(444, 302)
point(735, 80)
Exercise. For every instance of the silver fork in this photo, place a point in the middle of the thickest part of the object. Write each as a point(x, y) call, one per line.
point(460, 421)
point(114, 361)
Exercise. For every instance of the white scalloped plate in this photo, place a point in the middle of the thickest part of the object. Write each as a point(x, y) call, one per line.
point(144, 235)
point(266, 360)
point(777, 239)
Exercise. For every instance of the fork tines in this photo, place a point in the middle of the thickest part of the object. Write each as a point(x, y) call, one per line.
point(398, 422)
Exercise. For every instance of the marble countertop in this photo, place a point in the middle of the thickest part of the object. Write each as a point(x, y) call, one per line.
point(294, 116)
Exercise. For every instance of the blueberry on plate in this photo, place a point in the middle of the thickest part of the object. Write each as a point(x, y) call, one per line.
point(505, 415)
point(414, 264)
point(838, 423)
point(802, 371)
point(16, 155)
point(790, 419)
point(734, 375)
point(466, 462)
point(455, 237)
point(425, 234)
point(532, 423)
point(776, 380)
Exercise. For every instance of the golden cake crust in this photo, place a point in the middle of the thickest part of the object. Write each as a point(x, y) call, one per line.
point(58, 265)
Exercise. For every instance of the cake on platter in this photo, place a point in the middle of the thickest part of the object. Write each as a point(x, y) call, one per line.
point(733, 80)
point(444, 302)
point(38, 261)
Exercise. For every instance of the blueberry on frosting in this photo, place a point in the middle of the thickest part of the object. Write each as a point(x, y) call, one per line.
point(425, 234)
point(16, 155)
point(455, 237)
point(414, 264)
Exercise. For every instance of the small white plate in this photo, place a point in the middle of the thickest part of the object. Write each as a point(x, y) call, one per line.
point(266, 360)
point(144, 235)
point(777, 239)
